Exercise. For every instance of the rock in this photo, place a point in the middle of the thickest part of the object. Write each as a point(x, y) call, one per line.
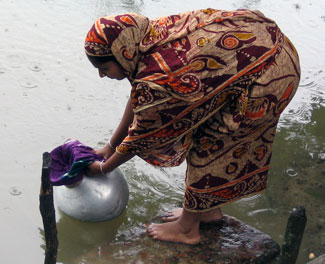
point(226, 241)
point(319, 260)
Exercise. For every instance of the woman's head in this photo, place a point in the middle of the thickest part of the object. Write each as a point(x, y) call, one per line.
point(116, 37)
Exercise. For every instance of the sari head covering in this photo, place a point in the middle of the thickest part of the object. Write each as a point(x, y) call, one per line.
point(118, 36)
point(207, 85)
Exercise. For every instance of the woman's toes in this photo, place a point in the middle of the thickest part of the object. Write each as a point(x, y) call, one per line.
point(168, 214)
point(167, 217)
point(151, 230)
point(151, 226)
point(172, 215)
point(146, 226)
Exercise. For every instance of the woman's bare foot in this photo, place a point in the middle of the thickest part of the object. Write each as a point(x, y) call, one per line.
point(205, 217)
point(185, 229)
point(173, 232)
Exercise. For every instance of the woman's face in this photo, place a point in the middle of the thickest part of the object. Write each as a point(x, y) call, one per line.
point(110, 69)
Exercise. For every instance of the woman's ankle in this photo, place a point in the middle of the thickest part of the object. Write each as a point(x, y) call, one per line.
point(189, 222)
point(212, 215)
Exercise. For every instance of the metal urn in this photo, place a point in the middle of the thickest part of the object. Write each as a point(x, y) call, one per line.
point(95, 198)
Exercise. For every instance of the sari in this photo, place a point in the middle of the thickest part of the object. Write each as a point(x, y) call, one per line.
point(208, 87)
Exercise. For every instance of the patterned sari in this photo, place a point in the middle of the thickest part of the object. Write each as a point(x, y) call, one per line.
point(208, 86)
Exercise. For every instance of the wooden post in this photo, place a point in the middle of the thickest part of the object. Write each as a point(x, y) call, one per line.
point(293, 236)
point(48, 212)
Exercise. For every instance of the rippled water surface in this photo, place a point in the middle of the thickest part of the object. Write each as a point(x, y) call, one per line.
point(49, 92)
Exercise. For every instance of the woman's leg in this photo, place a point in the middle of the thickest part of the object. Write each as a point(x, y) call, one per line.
point(185, 229)
point(205, 217)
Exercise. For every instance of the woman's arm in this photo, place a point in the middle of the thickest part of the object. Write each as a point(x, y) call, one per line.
point(114, 159)
point(112, 163)
point(119, 134)
point(122, 129)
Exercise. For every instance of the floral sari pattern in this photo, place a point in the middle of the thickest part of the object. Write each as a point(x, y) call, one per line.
point(208, 86)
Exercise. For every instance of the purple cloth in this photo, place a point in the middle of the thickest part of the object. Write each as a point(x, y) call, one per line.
point(70, 161)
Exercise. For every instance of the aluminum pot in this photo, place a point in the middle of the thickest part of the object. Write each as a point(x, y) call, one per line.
point(95, 198)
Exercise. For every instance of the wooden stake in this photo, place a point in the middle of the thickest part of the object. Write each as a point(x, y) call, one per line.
point(293, 236)
point(48, 212)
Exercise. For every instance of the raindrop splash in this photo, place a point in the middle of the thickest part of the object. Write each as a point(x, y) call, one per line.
point(14, 191)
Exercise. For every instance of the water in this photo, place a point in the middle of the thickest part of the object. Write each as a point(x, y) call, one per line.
point(49, 92)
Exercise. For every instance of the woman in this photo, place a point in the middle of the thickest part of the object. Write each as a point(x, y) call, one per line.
point(208, 86)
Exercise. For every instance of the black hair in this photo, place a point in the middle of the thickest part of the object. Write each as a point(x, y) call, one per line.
point(101, 59)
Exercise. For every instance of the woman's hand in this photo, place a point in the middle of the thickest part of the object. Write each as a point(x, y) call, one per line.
point(99, 168)
point(93, 169)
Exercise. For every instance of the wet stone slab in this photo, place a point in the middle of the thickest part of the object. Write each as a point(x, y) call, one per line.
point(226, 241)
point(319, 260)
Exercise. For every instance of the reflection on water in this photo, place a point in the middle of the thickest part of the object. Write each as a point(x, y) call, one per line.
point(76, 237)
point(247, 4)
point(14, 61)
point(35, 66)
point(15, 191)
point(262, 211)
point(301, 149)
point(291, 172)
point(107, 7)
point(49, 91)
point(251, 198)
